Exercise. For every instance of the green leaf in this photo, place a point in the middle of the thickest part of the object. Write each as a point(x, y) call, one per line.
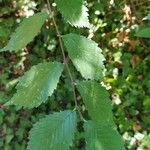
point(74, 12)
point(102, 137)
point(147, 17)
point(144, 33)
point(37, 84)
point(55, 132)
point(96, 100)
point(100, 133)
point(85, 55)
point(26, 31)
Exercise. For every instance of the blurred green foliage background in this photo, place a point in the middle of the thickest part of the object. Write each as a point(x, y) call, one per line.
point(114, 24)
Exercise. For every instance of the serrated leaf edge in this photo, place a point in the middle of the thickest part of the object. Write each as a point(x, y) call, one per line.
point(41, 102)
point(85, 11)
point(13, 34)
point(100, 50)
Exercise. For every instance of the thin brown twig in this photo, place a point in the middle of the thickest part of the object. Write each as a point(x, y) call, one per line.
point(64, 59)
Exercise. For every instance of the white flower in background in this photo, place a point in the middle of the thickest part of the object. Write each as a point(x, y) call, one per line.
point(29, 7)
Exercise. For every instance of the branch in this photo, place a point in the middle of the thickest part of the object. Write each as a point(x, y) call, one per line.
point(65, 59)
